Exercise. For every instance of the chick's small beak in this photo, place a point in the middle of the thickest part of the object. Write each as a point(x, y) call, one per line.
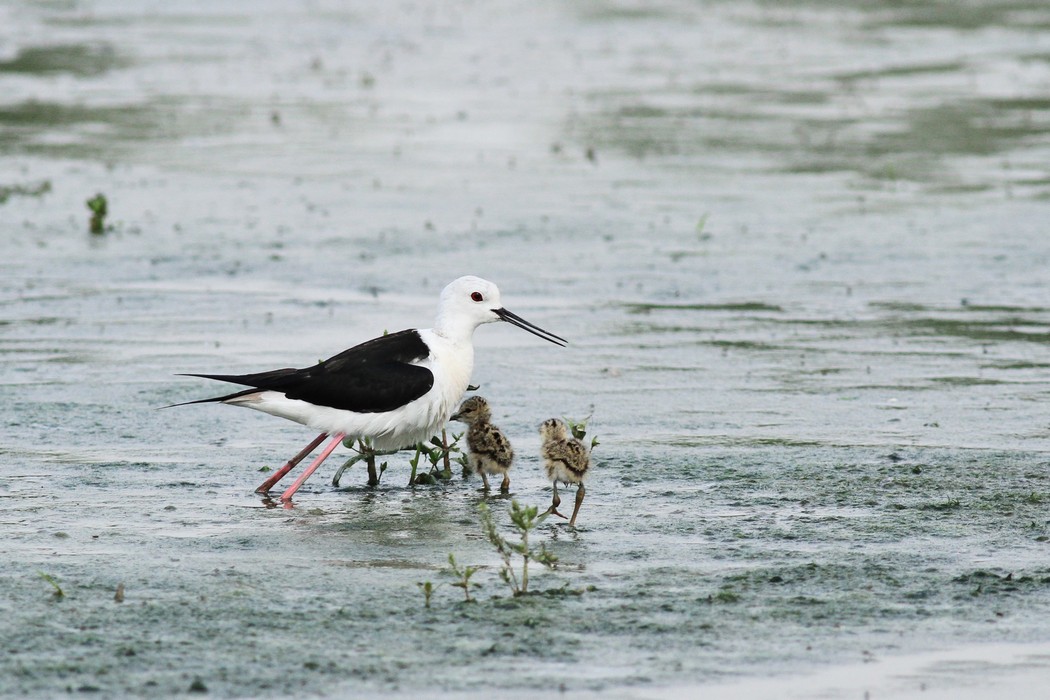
point(531, 328)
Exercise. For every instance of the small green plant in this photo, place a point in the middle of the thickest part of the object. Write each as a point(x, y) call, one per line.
point(578, 429)
point(439, 453)
point(365, 452)
point(99, 209)
point(463, 575)
point(428, 590)
point(701, 225)
point(525, 519)
point(57, 594)
point(464, 462)
point(443, 451)
point(414, 462)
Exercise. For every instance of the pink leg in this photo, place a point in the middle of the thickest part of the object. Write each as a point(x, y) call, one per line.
point(279, 474)
point(336, 439)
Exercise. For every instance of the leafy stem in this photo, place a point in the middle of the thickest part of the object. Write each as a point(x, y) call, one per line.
point(524, 519)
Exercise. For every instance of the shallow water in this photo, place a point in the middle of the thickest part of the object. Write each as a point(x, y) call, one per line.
point(799, 251)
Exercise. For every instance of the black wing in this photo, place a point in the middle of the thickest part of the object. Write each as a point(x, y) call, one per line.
point(372, 377)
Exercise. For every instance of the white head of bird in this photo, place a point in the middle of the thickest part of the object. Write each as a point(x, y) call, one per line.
point(468, 302)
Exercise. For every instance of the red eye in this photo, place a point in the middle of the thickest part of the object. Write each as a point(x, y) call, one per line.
point(477, 296)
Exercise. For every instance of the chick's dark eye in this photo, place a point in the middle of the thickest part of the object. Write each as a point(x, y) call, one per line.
point(477, 296)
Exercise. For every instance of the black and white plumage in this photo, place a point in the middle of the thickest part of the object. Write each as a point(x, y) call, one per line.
point(565, 459)
point(488, 449)
point(376, 376)
point(396, 390)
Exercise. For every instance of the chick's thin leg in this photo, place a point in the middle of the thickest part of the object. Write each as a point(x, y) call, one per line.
point(555, 502)
point(579, 502)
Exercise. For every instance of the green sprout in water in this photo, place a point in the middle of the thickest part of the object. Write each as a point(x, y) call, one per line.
point(464, 462)
point(428, 590)
point(414, 462)
point(58, 594)
point(444, 451)
point(525, 519)
point(439, 453)
point(578, 429)
point(701, 224)
point(365, 452)
point(463, 577)
point(99, 209)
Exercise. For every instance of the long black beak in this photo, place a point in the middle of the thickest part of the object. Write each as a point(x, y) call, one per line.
point(535, 330)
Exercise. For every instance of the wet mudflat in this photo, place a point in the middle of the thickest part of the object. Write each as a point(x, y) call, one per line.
point(799, 251)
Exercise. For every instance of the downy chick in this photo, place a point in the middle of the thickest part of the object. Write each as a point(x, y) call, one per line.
point(565, 459)
point(488, 449)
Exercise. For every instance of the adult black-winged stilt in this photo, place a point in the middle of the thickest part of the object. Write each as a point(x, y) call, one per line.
point(565, 459)
point(488, 449)
point(397, 390)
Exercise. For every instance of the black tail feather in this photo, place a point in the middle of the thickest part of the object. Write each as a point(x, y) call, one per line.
point(245, 379)
point(258, 380)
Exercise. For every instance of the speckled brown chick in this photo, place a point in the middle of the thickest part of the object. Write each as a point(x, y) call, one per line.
point(565, 459)
point(488, 449)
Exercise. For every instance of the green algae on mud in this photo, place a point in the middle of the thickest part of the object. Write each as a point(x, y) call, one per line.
point(778, 571)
